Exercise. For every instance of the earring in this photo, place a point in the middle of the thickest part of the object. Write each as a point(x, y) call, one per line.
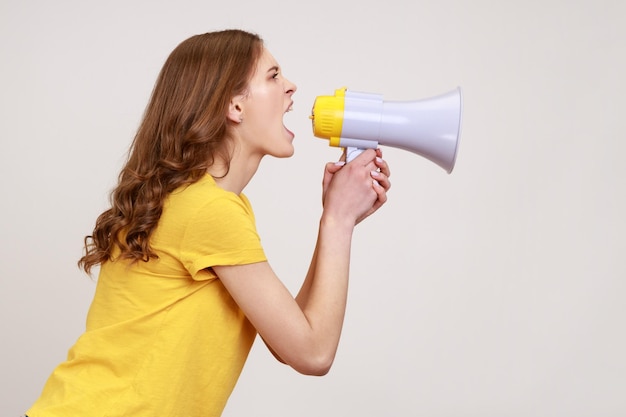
point(240, 119)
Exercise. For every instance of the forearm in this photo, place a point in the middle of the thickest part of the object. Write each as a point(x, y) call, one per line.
point(323, 294)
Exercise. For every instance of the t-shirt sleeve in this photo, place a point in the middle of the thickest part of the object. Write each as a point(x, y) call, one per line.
point(223, 232)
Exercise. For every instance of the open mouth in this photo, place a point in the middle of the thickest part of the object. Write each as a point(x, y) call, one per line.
point(290, 108)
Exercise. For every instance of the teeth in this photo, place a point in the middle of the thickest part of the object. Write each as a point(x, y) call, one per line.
point(290, 108)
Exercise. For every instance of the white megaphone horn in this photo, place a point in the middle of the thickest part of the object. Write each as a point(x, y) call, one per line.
point(357, 121)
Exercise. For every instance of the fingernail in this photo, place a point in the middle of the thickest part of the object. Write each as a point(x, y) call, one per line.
point(375, 174)
point(376, 183)
point(340, 163)
point(379, 159)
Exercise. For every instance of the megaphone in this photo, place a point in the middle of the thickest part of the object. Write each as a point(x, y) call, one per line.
point(356, 121)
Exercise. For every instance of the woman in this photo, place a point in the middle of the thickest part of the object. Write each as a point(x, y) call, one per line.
point(184, 285)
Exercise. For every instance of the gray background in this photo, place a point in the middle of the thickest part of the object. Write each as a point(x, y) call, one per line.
point(497, 290)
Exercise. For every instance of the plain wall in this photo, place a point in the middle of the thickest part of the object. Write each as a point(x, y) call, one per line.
point(497, 290)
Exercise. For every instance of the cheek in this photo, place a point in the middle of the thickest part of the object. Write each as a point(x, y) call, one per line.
point(269, 106)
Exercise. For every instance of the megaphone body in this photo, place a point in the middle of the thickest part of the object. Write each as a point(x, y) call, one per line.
point(357, 121)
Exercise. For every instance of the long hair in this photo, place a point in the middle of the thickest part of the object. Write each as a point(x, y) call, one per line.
point(183, 128)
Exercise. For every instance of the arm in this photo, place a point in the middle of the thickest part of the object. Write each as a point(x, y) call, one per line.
point(304, 332)
point(331, 169)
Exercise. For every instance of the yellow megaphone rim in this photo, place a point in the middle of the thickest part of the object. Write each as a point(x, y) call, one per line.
point(327, 116)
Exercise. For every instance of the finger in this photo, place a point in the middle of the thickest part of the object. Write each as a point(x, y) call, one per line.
point(330, 170)
point(382, 165)
point(381, 179)
point(333, 167)
point(381, 194)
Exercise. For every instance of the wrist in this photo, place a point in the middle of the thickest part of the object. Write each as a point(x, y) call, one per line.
point(337, 223)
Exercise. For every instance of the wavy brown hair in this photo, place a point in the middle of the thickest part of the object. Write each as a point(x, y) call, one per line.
point(181, 135)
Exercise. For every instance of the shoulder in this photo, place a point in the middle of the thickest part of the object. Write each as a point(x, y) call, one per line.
point(204, 197)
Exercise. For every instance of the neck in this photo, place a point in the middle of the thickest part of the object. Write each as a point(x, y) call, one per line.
point(235, 175)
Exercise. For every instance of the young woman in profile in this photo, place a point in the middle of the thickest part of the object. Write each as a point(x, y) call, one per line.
point(184, 285)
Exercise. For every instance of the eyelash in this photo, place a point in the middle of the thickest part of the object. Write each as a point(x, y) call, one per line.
point(276, 74)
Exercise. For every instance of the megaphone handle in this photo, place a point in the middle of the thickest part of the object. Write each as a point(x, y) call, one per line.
point(352, 152)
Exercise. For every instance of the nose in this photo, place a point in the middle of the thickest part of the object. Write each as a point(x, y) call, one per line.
point(290, 88)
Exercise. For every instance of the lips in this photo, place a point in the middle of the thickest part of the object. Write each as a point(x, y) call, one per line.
point(289, 108)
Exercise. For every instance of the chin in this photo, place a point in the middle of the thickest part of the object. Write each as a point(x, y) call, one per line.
point(288, 150)
point(286, 153)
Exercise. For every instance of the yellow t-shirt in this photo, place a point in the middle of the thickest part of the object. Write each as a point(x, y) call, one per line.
point(164, 337)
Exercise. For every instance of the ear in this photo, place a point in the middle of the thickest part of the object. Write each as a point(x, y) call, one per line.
point(235, 109)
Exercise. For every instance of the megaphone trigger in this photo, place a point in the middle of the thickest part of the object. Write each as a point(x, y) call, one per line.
point(352, 152)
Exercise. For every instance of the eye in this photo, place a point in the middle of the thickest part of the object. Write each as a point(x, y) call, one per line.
point(275, 75)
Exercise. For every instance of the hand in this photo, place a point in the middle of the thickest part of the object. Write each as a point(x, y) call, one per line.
point(364, 181)
point(380, 183)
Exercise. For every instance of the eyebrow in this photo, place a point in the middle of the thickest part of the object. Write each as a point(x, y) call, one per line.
point(274, 68)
